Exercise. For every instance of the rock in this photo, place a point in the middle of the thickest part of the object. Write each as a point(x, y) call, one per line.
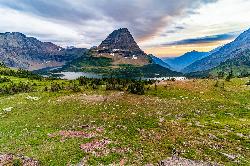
point(121, 41)
point(178, 161)
point(9, 109)
point(8, 159)
point(230, 156)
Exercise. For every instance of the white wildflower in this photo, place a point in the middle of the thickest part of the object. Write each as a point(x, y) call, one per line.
point(8, 109)
point(32, 98)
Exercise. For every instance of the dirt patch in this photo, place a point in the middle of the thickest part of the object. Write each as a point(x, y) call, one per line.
point(192, 84)
point(10, 159)
point(95, 145)
point(90, 133)
point(83, 97)
point(73, 134)
point(91, 98)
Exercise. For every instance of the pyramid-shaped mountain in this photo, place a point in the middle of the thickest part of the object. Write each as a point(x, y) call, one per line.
point(121, 41)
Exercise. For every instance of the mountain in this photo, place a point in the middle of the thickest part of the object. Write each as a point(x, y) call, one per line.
point(121, 41)
point(160, 62)
point(119, 55)
point(227, 52)
point(20, 51)
point(121, 47)
point(183, 61)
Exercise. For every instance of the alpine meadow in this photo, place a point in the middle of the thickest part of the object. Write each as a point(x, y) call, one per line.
point(117, 83)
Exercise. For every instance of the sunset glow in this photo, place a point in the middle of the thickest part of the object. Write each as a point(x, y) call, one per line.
point(161, 27)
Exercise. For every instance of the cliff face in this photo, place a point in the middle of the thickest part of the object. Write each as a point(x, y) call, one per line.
point(121, 40)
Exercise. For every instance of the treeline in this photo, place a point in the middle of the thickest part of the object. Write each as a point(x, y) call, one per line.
point(20, 73)
point(132, 86)
point(230, 74)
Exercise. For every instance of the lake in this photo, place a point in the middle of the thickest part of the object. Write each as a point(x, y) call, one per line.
point(75, 75)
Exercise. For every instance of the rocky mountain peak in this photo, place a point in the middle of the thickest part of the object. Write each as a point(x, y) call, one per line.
point(121, 40)
point(17, 34)
point(18, 50)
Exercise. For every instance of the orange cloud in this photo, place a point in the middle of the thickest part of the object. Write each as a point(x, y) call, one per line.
point(172, 51)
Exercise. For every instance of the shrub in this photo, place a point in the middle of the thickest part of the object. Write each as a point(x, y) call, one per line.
point(229, 76)
point(76, 88)
point(136, 88)
point(4, 79)
point(221, 74)
point(55, 87)
point(16, 88)
point(45, 89)
point(216, 84)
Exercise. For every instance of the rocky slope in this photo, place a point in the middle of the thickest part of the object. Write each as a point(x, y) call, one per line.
point(121, 47)
point(122, 41)
point(229, 51)
point(20, 51)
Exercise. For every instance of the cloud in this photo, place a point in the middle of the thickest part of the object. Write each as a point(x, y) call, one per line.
point(145, 18)
point(154, 23)
point(206, 39)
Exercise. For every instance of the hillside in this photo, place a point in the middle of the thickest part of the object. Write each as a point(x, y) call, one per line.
point(104, 66)
point(160, 62)
point(20, 51)
point(229, 51)
point(240, 65)
point(101, 122)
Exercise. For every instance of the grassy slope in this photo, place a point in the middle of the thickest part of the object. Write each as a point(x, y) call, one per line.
point(240, 65)
point(195, 118)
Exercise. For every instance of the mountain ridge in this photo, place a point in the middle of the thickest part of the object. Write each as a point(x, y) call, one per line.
point(228, 51)
point(19, 51)
point(179, 63)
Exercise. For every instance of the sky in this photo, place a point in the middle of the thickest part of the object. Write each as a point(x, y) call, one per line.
point(160, 27)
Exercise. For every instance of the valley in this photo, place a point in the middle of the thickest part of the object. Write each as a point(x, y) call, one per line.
point(114, 104)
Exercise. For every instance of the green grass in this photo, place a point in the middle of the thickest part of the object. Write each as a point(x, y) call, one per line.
point(195, 118)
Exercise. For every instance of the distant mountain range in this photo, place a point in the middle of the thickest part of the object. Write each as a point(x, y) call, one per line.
point(160, 62)
point(231, 51)
point(20, 51)
point(119, 54)
point(179, 63)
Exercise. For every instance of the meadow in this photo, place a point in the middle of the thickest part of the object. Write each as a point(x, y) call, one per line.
point(199, 119)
